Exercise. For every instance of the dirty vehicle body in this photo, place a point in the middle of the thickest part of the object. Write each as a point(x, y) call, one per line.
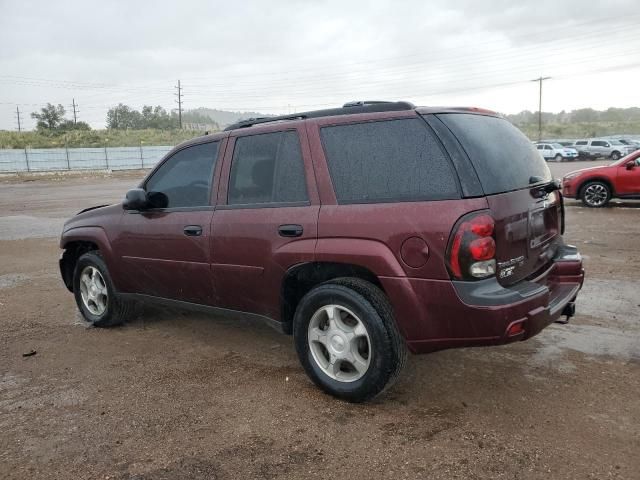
point(363, 231)
point(595, 186)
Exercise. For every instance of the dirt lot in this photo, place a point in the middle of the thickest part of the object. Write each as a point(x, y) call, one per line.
point(181, 395)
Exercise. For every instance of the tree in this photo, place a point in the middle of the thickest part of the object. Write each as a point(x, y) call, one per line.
point(50, 117)
point(68, 125)
point(124, 117)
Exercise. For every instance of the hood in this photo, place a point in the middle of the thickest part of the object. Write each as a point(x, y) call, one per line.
point(91, 208)
point(590, 169)
point(94, 216)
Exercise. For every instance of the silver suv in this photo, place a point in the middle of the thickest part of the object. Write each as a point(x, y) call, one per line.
point(598, 147)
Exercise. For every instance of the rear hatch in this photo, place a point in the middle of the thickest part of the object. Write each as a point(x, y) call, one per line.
point(518, 184)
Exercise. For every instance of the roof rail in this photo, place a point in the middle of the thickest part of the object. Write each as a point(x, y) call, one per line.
point(347, 109)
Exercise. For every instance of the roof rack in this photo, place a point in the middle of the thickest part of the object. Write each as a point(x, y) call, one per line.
point(348, 108)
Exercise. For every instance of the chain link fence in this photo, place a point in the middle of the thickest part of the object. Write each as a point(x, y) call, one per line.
point(56, 159)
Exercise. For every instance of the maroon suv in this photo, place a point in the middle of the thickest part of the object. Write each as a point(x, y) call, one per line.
point(363, 231)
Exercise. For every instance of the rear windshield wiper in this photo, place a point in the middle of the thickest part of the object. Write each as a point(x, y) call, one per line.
point(552, 186)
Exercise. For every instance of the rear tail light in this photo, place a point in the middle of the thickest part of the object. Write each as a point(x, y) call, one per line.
point(472, 248)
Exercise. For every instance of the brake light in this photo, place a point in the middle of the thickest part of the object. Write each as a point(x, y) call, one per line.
point(472, 249)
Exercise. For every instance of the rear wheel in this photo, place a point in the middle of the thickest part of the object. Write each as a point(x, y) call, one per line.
point(558, 158)
point(595, 194)
point(95, 295)
point(347, 340)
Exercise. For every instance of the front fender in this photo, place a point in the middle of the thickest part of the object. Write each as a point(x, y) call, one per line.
point(97, 236)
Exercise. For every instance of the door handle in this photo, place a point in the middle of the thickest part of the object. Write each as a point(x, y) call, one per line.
point(193, 230)
point(290, 230)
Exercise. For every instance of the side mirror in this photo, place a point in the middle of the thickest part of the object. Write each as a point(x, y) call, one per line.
point(630, 165)
point(136, 199)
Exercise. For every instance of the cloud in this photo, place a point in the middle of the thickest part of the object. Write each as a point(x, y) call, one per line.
point(270, 56)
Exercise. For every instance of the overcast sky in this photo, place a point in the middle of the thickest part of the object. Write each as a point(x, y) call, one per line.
point(281, 56)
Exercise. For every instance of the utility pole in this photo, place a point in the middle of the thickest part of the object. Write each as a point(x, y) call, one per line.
point(179, 95)
point(18, 114)
point(540, 80)
point(75, 118)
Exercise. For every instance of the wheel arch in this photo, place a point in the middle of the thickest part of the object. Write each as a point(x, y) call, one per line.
point(604, 180)
point(77, 241)
point(301, 278)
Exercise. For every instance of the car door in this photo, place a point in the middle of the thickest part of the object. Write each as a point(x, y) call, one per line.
point(266, 218)
point(540, 148)
point(628, 178)
point(164, 249)
point(598, 148)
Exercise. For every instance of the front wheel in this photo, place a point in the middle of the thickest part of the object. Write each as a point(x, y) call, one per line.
point(615, 155)
point(558, 158)
point(95, 295)
point(595, 194)
point(347, 340)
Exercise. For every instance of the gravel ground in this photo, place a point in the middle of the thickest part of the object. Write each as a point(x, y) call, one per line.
point(181, 395)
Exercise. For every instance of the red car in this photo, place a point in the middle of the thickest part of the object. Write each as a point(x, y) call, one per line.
point(364, 231)
point(595, 186)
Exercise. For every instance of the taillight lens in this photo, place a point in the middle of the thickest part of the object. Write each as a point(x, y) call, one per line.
point(472, 248)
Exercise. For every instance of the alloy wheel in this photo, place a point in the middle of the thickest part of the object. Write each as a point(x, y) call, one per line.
point(339, 343)
point(596, 195)
point(93, 290)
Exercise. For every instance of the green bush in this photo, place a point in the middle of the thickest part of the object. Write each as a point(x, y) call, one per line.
point(94, 138)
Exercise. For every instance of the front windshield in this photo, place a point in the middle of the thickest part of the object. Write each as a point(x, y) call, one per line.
point(557, 145)
point(616, 142)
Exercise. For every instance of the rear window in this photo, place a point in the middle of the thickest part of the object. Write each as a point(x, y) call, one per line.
point(387, 161)
point(502, 156)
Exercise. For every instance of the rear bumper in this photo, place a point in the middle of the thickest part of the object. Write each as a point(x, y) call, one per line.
point(435, 315)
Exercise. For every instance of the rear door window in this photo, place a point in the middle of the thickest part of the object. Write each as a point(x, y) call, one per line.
point(267, 168)
point(387, 161)
point(502, 156)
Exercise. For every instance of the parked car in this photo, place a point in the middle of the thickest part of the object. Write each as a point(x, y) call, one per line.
point(597, 185)
point(363, 231)
point(634, 144)
point(555, 151)
point(596, 148)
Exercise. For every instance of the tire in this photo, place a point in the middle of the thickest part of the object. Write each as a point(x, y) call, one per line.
point(558, 158)
point(595, 194)
point(615, 155)
point(100, 306)
point(353, 300)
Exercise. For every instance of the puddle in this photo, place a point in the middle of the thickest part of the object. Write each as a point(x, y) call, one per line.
point(614, 300)
point(11, 280)
point(18, 227)
point(590, 340)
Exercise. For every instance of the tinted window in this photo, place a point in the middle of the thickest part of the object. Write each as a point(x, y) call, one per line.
point(184, 180)
point(503, 157)
point(540, 147)
point(267, 168)
point(598, 143)
point(396, 160)
point(581, 142)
